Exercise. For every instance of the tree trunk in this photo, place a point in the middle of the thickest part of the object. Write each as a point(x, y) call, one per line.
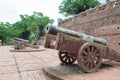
point(39, 35)
point(1, 38)
point(25, 35)
point(40, 32)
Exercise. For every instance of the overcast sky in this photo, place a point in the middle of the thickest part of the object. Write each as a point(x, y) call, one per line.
point(11, 9)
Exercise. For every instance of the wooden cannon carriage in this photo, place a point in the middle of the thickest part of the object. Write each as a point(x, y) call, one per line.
point(87, 50)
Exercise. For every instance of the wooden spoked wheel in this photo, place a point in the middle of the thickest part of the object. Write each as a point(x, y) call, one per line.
point(66, 58)
point(89, 57)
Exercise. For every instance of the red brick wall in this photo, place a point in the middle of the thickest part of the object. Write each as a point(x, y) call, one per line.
point(102, 21)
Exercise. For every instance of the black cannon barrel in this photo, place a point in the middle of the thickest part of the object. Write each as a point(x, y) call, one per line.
point(54, 30)
point(22, 40)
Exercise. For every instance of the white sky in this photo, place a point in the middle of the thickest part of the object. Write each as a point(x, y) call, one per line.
point(11, 9)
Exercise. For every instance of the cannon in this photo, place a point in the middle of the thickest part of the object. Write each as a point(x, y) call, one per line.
point(54, 30)
point(21, 44)
point(89, 51)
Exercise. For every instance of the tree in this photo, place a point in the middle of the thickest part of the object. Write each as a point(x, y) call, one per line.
point(32, 26)
point(7, 32)
point(2, 31)
point(73, 7)
point(36, 24)
point(21, 26)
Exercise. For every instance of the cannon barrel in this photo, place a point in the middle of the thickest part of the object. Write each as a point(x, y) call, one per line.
point(50, 29)
point(21, 40)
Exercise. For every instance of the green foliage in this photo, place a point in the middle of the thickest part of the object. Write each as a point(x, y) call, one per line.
point(27, 28)
point(32, 37)
point(33, 22)
point(73, 7)
point(7, 31)
point(36, 20)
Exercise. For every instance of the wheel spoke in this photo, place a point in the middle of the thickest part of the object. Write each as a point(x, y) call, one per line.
point(85, 53)
point(92, 48)
point(97, 59)
point(63, 56)
point(88, 65)
point(73, 58)
point(85, 63)
point(88, 49)
point(91, 66)
point(84, 57)
point(70, 59)
point(66, 58)
point(95, 51)
point(97, 54)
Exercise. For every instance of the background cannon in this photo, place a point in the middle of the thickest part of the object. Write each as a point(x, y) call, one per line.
point(87, 50)
point(21, 44)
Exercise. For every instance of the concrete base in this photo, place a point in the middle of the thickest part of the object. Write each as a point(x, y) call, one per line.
point(28, 49)
point(61, 72)
point(72, 72)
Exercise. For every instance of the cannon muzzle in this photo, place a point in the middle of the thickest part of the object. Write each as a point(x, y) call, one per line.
point(50, 29)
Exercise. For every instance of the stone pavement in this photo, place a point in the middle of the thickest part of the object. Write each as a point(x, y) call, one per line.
point(25, 65)
point(34, 65)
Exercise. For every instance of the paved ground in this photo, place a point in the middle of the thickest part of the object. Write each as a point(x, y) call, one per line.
point(29, 66)
point(24, 65)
